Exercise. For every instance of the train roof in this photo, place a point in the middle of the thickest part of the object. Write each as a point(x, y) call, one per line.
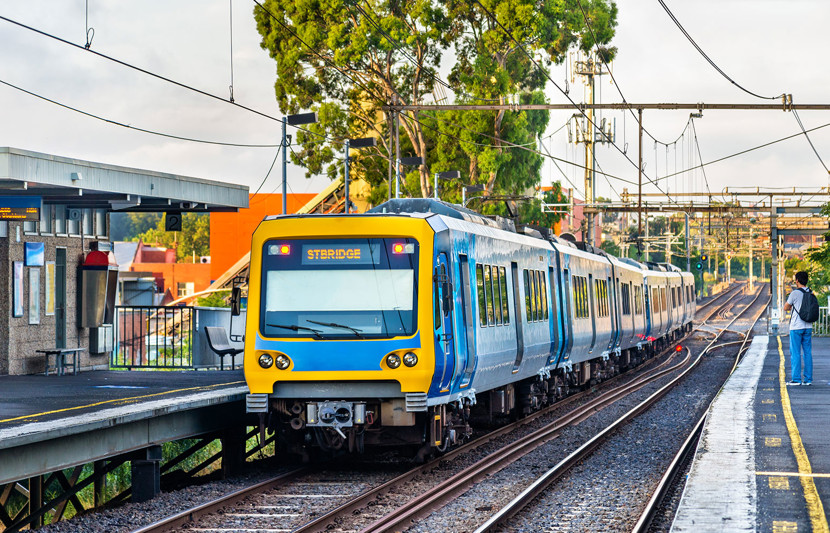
point(430, 205)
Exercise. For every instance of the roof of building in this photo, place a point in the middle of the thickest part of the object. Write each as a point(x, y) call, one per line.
point(78, 183)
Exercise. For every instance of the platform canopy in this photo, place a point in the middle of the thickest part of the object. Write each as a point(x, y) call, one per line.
point(86, 184)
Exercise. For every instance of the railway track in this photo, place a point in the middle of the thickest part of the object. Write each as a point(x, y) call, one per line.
point(385, 506)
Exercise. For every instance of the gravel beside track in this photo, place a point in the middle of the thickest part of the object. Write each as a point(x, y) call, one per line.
point(607, 491)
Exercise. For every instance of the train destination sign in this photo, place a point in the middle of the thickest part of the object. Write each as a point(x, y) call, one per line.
point(340, 254)
point(20, 207)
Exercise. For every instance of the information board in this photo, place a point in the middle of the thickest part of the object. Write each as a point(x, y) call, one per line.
point(20, 207)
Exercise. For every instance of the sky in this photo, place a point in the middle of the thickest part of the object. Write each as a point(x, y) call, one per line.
point(767, 46)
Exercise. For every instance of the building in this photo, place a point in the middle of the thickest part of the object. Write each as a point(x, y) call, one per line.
point(53, 216)
point(230, 233)
point(172, 280)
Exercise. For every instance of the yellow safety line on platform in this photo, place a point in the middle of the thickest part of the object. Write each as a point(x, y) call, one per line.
point(792, 474)
point(815, 508)
point(120, 400)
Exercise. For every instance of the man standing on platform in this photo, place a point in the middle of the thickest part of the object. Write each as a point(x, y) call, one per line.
point(801, 334)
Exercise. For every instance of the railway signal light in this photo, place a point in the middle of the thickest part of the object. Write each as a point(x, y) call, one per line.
point(704, 257)
point(699, 265)
point(678, 348)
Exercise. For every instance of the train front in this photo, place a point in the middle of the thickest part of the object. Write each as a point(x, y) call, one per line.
point(337, 306)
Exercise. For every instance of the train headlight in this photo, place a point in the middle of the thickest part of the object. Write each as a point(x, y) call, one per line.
point(283, 362)
point(265, 360)
point(393, 360)
point(410, 359)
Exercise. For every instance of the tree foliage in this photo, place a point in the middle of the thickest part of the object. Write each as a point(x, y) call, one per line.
point(346, 59)
point(194, 239)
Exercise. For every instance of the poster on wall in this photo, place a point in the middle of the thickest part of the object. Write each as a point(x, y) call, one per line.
point(34, 254)
point(34, 296)
point(50, 288)
point(17, 289)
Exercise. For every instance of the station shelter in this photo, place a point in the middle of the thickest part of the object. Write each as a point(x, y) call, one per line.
point(56, 254)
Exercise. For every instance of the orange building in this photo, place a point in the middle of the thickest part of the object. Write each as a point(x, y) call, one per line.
point(230, 233)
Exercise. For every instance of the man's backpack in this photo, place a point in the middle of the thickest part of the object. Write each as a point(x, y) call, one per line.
point(809, 307)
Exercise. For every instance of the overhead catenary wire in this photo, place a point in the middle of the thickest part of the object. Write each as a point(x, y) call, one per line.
point(128, 126)
point(152, 74)
point(742, 152)
point(709, 60)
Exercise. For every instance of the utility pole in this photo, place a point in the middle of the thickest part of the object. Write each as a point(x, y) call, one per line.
point(589, 68)
point(640, 178)
point(751, 285)
point(688, 246)
point(648, 244)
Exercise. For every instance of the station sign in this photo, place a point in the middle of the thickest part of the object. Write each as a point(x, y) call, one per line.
point(20, 207)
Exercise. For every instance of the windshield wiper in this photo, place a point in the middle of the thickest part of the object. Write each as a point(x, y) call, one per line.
point(341, 326)
point(294, 327)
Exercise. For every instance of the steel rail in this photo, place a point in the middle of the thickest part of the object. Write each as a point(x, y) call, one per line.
point(175, 522)
point(191, 515)
point(654, 503)
point(445, 491)
point(578, 455)
point(328, 519)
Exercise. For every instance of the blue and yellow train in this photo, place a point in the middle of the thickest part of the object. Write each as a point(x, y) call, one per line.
point(402, 325)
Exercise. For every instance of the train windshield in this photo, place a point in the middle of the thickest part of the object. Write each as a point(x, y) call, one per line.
point(339, 288)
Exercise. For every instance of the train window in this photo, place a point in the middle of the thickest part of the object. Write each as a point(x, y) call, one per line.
point(526, 276)
point(534, 295)
point(663, 298)
point(544, 295)
point(436, 298)
point(488, 288)
point(580, 292)
point(537, 299)
point(505, 308)
point(497, 305)
point(482, 299)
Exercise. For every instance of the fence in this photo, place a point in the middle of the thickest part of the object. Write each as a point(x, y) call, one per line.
point(153, 337)
point(821, 327)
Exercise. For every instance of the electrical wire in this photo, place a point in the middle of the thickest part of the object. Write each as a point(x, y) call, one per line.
point(709, 60)
point(742, 152)
point(261, 183)
point(700, 157)
point(153, 74)
point(121, 124)
point(800, 125)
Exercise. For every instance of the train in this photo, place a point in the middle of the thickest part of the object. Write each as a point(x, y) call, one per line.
point(405, 325)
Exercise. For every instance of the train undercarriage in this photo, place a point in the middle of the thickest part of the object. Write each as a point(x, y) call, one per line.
point(308, 428)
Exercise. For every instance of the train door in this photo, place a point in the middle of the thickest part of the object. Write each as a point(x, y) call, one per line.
point(517, 312)
point(444, 337)
point(467, 315)
point(593, 312)
point(613, 311)
point(568, 313)
point(556, 322)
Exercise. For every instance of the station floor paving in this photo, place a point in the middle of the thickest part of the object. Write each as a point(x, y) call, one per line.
point(763, 461)
point(36, 403)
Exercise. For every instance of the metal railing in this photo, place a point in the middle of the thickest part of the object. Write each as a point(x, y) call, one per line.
point(821, 327)
point(153, 337)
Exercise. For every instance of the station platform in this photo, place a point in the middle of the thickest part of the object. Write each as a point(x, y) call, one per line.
point(53, 422)
point(763, 461)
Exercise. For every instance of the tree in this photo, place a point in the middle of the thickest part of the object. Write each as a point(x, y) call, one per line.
point(127, 226)
point(346, 59)
point(194, 239)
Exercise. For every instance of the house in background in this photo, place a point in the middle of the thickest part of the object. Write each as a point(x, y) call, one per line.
point(139, 262)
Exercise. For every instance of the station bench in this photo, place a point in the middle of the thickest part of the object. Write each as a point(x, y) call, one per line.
point(61, 355)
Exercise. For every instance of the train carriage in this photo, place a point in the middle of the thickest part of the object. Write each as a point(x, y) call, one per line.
point(399, 326)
